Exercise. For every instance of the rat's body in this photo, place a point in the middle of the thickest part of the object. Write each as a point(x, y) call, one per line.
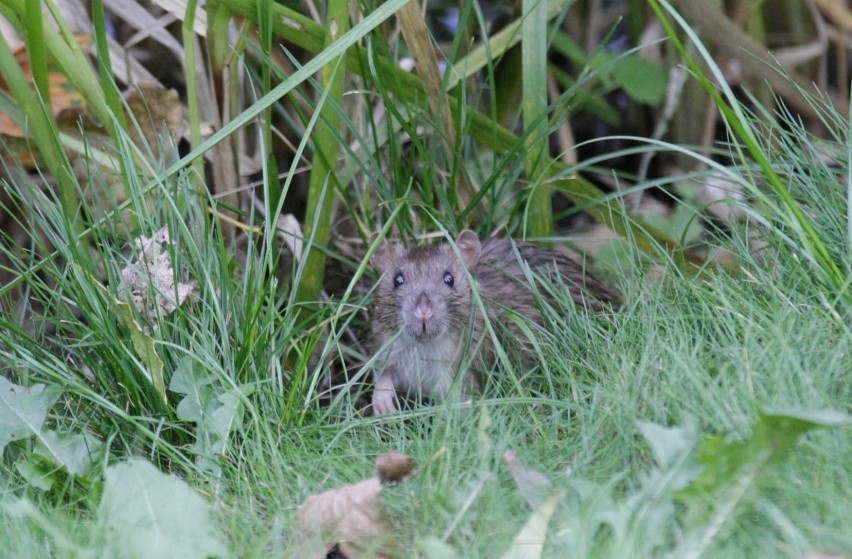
point(424, 319)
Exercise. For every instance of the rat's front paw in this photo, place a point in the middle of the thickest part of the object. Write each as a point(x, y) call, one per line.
point(384, 397)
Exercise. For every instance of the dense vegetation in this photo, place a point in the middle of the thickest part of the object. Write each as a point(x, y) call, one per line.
point(184, 276)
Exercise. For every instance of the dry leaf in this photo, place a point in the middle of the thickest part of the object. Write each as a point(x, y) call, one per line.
point(350, 519)
point(149, 282)
point(529, 542)
point(63, 96)
point(157, 111)
point(394, 467)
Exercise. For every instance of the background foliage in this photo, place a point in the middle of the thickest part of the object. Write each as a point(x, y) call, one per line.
point(189, 194)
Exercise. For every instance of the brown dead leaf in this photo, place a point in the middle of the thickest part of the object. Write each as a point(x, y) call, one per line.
point(62, 96)
point(350, 519)
point(394, 466)
point(157, 111)
point(149, 282)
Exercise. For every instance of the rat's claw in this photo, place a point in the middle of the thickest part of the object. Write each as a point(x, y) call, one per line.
point(384, 396)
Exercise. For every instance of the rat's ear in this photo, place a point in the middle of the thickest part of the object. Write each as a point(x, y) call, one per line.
point(385, 253)
point(469, 247)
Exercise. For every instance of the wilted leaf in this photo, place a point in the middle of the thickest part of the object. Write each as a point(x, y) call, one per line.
point(149, 281)
point(393, 466)
point(529, 542)
point(350, 518)
point(23, 410)
point(156, 110)
point(143, 344)
point(153, 515)
point(62, 96)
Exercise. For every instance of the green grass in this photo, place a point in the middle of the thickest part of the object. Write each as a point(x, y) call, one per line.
point(712, 348)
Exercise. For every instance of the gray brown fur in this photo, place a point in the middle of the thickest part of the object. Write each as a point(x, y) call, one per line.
point(426, 330)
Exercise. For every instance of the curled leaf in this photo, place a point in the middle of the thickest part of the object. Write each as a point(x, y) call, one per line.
point(394, 466)
point(350, 519)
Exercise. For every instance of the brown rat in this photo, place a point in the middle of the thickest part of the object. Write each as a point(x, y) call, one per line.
point(423, 322)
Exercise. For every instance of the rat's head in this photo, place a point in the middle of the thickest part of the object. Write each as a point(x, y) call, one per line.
point(424, 291)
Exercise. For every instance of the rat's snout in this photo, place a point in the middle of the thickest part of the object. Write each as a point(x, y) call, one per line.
point(423, 308)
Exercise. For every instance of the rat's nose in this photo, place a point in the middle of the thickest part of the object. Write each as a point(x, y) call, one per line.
point(423, 308)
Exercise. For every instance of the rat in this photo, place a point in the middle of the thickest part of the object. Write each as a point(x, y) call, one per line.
point(425, 324)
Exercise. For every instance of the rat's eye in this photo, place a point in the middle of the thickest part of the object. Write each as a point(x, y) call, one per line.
point(398, 279)
point(449, 279)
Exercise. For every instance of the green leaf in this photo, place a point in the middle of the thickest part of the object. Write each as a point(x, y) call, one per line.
point(37, 473)
point(191, 380)
point(153, 515)
point(643, 80)
point(76, 453)
point(215, 413)
point(731, 468)
point(143, 344)
point(23, 410)
point(682, 225)
point(673, 450)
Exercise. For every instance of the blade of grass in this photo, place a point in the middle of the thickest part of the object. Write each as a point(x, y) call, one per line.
point(539, 215)
point(66, 54)
point(304, 73)
point(35, 48)
point(323, 179)
point(224, 160)
point(495, 47)
point(419, 42)
point(271, 182)
point(110, 91)
point(193, 110)
point(41, 129)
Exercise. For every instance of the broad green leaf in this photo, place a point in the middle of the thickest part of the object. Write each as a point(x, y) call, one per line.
point(673, 451)
point(682, 224)
point(77, 453)
point(191, 380)
point(36, 473)
point(152, 515)
point(643, 80)
point(215, 414)
point(23, 410)
point(733, 467)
